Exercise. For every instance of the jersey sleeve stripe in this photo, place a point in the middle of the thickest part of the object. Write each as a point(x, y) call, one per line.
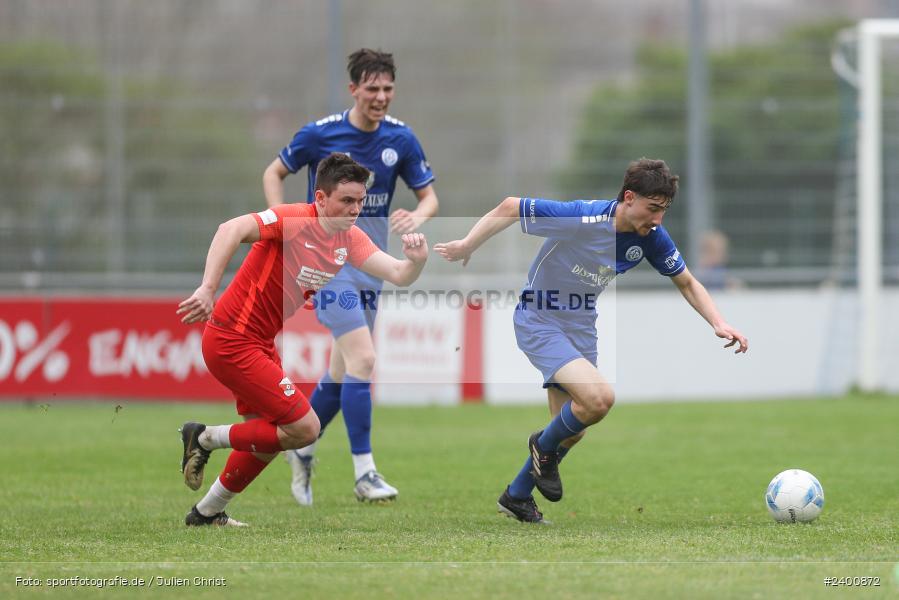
point(285, 163)
point(521, 217)
point(426, 182)
point(676, 271)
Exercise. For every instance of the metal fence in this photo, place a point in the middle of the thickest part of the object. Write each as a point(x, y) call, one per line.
point(131, 129)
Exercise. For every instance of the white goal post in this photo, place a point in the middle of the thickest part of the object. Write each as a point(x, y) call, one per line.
point(869, 175)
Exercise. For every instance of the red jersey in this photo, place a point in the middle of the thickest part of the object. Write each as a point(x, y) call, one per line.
point(294, 258)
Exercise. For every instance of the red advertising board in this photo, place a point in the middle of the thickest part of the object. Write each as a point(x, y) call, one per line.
point(124, 347)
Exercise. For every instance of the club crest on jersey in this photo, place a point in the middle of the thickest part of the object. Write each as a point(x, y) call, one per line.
point(389, 157)
point(634, 253)
point(340, 256)
point(287, 387)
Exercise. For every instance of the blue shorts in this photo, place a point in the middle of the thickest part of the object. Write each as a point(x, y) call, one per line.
point(550, 344)
point(342, 307)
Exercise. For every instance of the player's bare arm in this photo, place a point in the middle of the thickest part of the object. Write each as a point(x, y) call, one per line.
point(505, 214)
point(400, 272)
point(273, 182)
point(698, 297)
point(228, 238)
point(407, 221)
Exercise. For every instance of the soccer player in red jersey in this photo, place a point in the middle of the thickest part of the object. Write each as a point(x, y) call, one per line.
point(297, 249)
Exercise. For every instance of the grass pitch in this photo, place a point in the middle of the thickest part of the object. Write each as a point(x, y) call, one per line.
point(661, 500)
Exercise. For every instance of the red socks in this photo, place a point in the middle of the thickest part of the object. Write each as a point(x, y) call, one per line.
point(241, 469)
point(257, 435)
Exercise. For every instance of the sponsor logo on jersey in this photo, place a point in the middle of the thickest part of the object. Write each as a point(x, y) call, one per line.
point(389, 157)
point(286, 386)
point(532, 210)
point(601, 278)
point(425, 165)
point(634, 253)
point(672, 260)
point(376, 200)
point(268, 217)
point(340, 256)
point(313, 278)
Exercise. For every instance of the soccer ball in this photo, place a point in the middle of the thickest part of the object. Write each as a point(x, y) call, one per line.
point(794, 495)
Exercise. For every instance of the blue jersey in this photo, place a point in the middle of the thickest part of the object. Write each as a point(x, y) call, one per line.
point(583, 253)
point(391, 151)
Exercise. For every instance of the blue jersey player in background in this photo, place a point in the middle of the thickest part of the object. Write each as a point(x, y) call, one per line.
point(587, 244)
point(389, 149)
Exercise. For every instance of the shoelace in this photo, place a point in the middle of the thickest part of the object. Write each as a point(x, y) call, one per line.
point(202, 460)
point(532, 505)
point(374, 479)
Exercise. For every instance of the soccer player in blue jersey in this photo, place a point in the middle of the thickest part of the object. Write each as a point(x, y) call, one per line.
point(389, 149)
point(587, 244)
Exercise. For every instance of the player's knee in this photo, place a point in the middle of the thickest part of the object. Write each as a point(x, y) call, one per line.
point(310, 430)
point(361, 366)
point(303, 432)
point(599, 402)
point(607, 399)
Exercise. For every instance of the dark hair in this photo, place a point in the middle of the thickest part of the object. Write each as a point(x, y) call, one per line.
point(339, 168)
point(650, 178)
point(365, 62)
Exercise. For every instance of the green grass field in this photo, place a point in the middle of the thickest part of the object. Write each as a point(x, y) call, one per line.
point(661, 500)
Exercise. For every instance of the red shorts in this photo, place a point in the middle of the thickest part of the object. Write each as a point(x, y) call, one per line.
point(251, 369)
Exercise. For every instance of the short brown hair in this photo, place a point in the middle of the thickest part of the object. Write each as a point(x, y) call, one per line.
point(339, 168)
point(364, 63)
point(650, 178)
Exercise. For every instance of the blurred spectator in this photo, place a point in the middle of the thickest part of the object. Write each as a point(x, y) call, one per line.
point(711, 266)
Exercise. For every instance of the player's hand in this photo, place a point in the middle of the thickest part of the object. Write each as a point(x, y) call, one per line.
point(198, 307)
point(454, 251)
point(415, 247)
point(729, 333)
point(405, 221)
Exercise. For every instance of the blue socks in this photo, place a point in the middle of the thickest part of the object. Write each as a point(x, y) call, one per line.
point(353, 396)
point(523, 484)
point(325, 400)
point(355, 401)
point(563, 426)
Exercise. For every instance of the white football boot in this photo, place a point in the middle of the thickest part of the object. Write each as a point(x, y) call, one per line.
point(371, 487)
point(301, 484)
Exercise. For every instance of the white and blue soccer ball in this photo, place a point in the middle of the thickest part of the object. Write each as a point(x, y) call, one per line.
point(794, 496)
